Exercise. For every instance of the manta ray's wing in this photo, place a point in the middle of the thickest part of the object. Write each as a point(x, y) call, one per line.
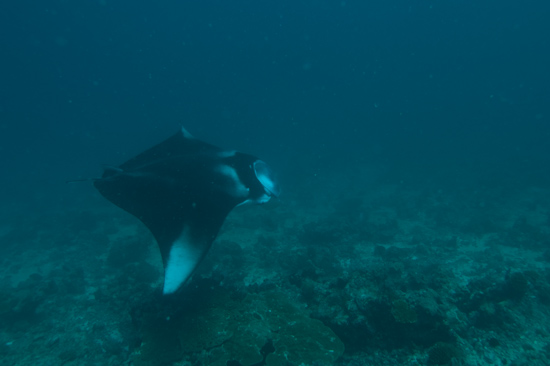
point(182, 189)
point(180, 144)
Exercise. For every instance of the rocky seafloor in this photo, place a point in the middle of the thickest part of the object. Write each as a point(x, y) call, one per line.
point(380, 275)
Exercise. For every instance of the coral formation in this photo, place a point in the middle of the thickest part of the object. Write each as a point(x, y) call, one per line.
point(516, 286)
point(403, 312)
point(443, 354)
point(229, 330)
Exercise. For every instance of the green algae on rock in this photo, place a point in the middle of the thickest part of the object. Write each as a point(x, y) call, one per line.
point(403, 312)
point(238, 330)
point(160, 344)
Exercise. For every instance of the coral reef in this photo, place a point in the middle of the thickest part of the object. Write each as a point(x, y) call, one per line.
point(399, 275)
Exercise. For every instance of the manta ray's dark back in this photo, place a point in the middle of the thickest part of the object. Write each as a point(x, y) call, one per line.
point(183, 189)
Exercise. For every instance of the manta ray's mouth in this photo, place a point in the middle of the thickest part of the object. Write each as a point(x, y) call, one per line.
point(266, 176)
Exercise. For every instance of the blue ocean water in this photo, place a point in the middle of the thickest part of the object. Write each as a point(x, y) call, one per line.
point(406, 83)
point(438, 112)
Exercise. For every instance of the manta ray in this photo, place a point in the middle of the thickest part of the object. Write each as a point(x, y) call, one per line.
point(183, 189)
